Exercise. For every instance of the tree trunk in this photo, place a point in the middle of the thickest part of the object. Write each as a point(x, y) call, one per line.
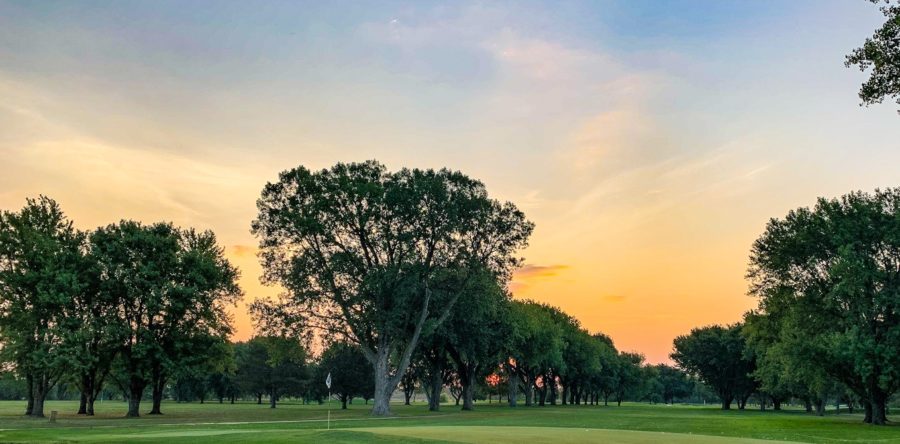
point(879, 407)
point(272, 399)
point(82, 403)
point(867, 405)
point(343, 402)
point(529, 391)
point(551, 386)
point(259, 398)
point(158, 384)
point(136, 391)
point(383, 390)
point(38, 409)
point(41, 388)
point(29, 386)
point(407, 394)
point(90, 403)
point(468, 389)
point(512, 387)
point(776, 404)
point(820, 407)
point(726, 401)
point(434, 389)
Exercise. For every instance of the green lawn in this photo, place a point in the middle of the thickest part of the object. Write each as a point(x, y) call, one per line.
point(633, 423)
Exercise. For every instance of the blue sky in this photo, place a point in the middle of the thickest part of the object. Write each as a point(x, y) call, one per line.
point(649, 141)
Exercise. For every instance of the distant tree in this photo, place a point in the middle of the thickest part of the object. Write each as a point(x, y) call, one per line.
point(671, 383)
point(535, 344)
point(718, 356)
point(12, 388)
point(272, 365)
point(359, 248)
point(629, 376)
point(605, 382)
point(476, 330)
point(222, 376)
point(581, 360)
point(252, 369)
point(881, 53)
point(409, 382)
point(829, 276)
point(351, 373)
point(171, 287)
point(42, 264)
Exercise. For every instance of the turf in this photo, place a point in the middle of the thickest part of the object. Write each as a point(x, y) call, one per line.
point(245, 422)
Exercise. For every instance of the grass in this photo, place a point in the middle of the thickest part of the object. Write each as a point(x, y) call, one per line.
point(245, 422)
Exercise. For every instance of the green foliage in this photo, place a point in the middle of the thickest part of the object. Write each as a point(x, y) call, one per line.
point(12, 387)
point(42, 274)
point(718, 356)
point(362, 253)
point(351, 373)
point(272, 365)
point(171, 288)
point(827, 279)
point(881, 54)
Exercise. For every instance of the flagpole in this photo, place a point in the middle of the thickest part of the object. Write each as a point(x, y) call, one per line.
point(328, 384)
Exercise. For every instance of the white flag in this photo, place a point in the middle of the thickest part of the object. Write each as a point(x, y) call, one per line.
point(328, 381)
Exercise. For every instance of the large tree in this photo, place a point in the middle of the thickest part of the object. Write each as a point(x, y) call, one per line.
point(171, 288)
point(719, 357)
point(881, 54)
point(361, 251)
point(831, 276)
point(42, 273)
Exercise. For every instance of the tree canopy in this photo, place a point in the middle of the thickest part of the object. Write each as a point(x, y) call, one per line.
point(829, 278)
point(362, 252)
point(881, 54)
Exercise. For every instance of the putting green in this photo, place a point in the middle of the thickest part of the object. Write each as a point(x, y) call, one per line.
point(555, 435)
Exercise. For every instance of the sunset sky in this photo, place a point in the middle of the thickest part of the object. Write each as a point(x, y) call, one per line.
point(649, 141)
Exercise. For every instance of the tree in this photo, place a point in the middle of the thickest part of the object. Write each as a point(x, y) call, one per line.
point(360, 251)
point(92, 340)
point(535, 344)
point(605, 381)
point(830, 276)
point(252, 369)
point(476, 330)
point(671, 383)
point(881, 53)
point(351, 373)
point(718, 356)
point(171, 287)
point(286, 367)
point(628, 375)
point(582, 360)
point(42, 272)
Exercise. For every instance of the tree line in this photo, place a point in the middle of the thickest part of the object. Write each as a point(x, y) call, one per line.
point(399, 280)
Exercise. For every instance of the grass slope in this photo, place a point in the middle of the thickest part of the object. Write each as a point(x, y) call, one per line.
point(244, 422)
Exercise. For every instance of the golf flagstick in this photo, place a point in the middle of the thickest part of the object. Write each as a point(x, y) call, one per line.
point(328, 383)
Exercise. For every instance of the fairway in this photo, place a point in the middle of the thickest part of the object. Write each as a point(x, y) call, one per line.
point(630, 423)
point(561, 435)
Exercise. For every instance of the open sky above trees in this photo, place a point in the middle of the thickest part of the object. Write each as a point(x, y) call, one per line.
point(649, 143)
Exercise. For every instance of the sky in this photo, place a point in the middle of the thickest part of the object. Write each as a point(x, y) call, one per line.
point(650, 142)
